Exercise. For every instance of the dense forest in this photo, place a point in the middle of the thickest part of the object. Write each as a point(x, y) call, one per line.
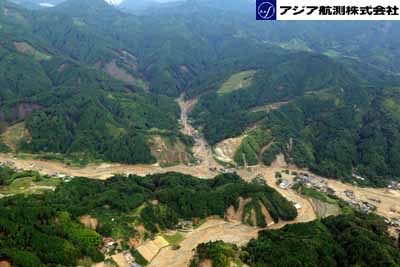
point(44, 230)
point(353, 240)
point(72, 108)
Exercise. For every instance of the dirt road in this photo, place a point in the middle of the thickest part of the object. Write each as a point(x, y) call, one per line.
point(102, 171)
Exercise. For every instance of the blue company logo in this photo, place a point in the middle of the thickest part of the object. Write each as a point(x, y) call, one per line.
point(266, 10)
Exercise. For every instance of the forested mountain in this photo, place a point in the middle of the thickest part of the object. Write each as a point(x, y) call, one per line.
point(356, 240)
point(327, 119)
point(69, 107)
point(330, 80)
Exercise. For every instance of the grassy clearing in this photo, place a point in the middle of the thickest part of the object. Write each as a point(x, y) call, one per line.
point(174, 240)
point(296, 45)
point(316, 194)
point(393, 107)
point(138, 210)
point(27, 185)
point(237, 81)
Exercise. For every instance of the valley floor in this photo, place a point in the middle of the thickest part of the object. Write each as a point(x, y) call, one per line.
point(207, 167)
point(390, 199)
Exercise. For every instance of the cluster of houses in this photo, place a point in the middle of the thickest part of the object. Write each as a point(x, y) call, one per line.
point(363, 206)
point(322, 186)
point(315, 183)
point(130, 259)
point(284, 184)
point(10, 164)
point(7, 164)
point(110, 246)
point(62, 176)
point(221, 170)
point(309, 182)
point(394, 185)
point(185, 226)
point(395, 223)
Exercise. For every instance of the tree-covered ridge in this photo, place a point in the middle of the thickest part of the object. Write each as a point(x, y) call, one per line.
point(113, 126)
point(78, 110)
point(336, 139)
point(220, 254)
point(356, 240)
point(328, 122)
point(43, 230)
point(70, 107)
point(283, 77)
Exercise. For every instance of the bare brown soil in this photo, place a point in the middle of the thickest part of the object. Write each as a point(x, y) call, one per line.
point(4, 263)
point(237, 215)
point(118, 73)
point(23, 110)
point(268, 219)
point(168, 153)
point(89, 222)
point(323, 209)
point(14, 135)
point(206, 263)
point(152, 247)
point(120, 260)
point(62, 67)
point(25, 48)
point(225, 150)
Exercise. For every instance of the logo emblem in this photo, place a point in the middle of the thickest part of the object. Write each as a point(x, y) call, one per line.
point(266, 10)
